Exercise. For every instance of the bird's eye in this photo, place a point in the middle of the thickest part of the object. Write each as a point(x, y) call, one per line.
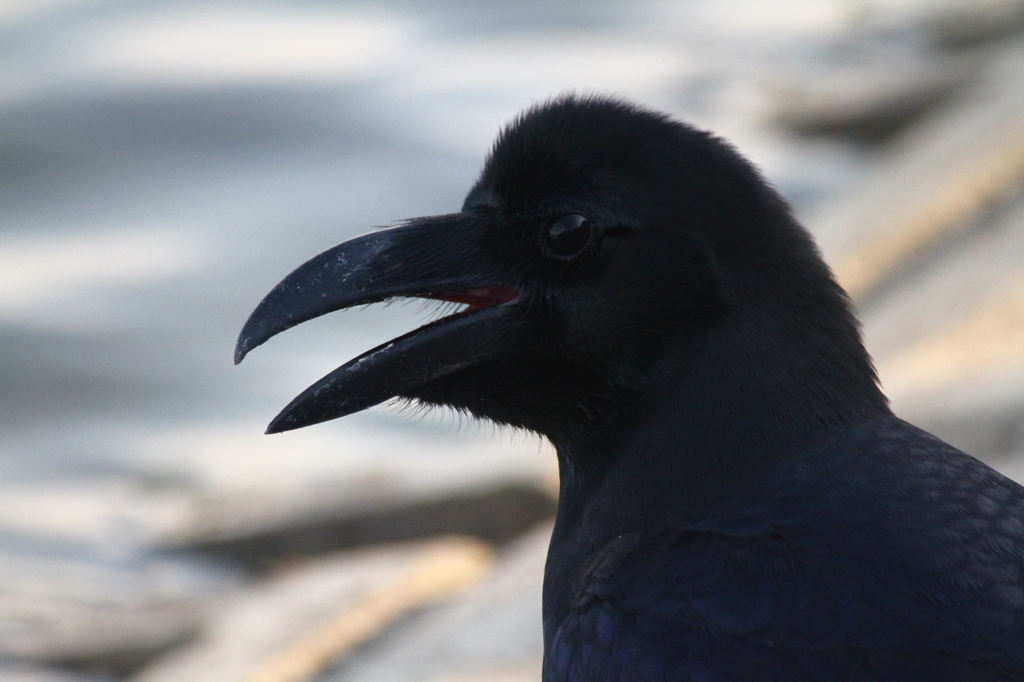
point(570, 236)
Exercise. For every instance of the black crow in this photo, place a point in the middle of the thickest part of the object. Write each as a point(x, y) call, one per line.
point(737, 500)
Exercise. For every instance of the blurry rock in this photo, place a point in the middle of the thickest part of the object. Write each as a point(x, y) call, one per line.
point(492, 633)
point(82, 581)
point(947, 336)
point(957, 23)
point(118, 515)
point(957, 315)
point(260, 536)
point(959, 371)
point(947, 24)
point(865, 92)
point(382, 479)
point(986, 341)
point(17, 673)
point(260, 526)
point(65, 604)
point(291, 626)
point(931, 184)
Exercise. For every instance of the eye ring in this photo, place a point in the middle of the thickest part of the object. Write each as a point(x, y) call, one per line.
point(569, 236)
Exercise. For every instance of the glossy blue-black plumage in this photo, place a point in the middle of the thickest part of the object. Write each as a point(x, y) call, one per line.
point(878, 554)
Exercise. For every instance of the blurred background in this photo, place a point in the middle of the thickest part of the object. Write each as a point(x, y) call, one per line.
point(164, 163)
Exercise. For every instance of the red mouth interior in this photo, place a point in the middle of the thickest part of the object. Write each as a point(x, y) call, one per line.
point(478, 299)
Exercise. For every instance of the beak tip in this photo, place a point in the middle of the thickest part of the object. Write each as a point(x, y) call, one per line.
point(277, 425)
point(248, 339)
point(282, 422)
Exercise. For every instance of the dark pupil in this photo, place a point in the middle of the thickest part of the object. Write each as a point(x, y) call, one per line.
point(570, 235)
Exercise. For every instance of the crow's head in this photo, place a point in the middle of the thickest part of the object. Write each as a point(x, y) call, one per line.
point(609, 258)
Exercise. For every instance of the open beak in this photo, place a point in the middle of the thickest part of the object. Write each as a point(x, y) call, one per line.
point(453, 258)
